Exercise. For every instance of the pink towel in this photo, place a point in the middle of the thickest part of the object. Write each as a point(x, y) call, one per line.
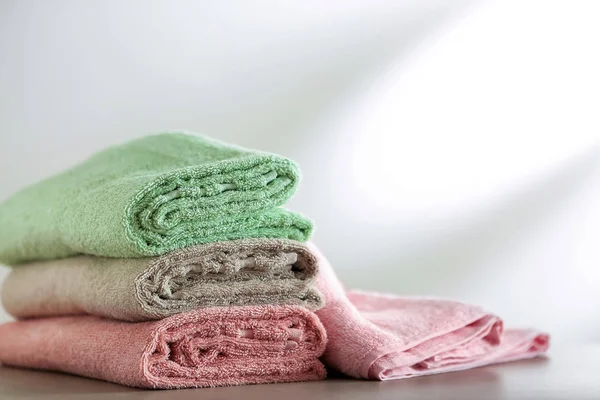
point(207, 347)
point(374, 336)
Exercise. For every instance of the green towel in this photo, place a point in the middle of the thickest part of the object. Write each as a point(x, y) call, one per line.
point(150, 196)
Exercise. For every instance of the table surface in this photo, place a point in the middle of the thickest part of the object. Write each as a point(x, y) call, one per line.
point(568, 373)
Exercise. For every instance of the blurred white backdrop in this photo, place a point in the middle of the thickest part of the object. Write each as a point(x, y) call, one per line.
point(448, 148)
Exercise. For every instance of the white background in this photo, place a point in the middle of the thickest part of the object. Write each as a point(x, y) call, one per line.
point(448, 148)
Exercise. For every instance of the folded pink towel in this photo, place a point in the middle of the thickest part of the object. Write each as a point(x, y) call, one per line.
point(208, 347)
point(374, 336)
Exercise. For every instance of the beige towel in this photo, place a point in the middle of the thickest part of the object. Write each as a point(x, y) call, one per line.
point(232, 273)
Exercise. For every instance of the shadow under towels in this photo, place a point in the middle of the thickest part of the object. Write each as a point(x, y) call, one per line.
point(232, 273)
point(203, 348)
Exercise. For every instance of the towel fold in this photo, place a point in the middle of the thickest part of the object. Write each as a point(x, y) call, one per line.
point(151, 196)
point(374, 336)
point(210, 347)
point(232, 273)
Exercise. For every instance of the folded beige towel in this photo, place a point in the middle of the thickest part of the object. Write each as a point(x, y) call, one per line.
point(238, 272)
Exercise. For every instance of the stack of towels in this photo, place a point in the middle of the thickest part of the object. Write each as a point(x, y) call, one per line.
point(167, 262)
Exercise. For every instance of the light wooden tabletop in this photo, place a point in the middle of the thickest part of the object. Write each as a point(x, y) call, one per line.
point(569, 373)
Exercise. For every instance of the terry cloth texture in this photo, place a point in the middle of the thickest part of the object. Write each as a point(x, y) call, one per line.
point(233, 273)
point(374, 336)
point(150, 196)
point(209, 347)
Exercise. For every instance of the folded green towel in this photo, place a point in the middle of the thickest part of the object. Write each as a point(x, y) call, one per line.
point(150, 196)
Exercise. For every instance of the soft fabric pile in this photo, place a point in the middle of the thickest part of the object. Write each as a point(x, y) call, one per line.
point(166, 262)
point(176, 228)
point(150, 196)
point(375, 336)
point(238, 272)
point(210, 347)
